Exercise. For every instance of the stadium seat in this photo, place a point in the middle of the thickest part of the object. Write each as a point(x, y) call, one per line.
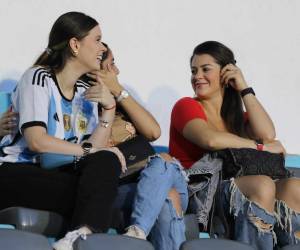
point(37, 221)
point(109, 242)
point(291, 247)
point(11, 239)
point(214, 244)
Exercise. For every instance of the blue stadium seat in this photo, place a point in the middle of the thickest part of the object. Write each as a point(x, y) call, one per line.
point(291, 247)
point(292, 162)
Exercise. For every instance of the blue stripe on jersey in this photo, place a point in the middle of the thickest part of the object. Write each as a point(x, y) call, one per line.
point(26, 156)
point(87, 108)
point(52, 123)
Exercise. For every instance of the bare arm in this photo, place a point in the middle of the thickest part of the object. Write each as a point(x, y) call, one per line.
point(143, 121)
point(101, 94)
point(198, 132)
point(261, 125)
point(39, 141)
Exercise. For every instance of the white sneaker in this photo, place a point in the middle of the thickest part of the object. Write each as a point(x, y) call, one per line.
point(66, 243)
point(136, 232)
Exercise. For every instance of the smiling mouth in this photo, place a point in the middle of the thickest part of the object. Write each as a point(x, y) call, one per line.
point(200, 84)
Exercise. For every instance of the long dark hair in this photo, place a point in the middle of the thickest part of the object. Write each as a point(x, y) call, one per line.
point(232, 108)
point(67, 26)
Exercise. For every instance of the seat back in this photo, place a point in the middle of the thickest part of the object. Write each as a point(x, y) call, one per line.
point(291, 247)
point(109, 242)
point(21, 240)
point(32, 220)
point(214, 244)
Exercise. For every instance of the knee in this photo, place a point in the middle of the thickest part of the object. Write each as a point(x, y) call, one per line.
point(289, 189)
point(176, 202)
point(260, 189)
point(264, 188)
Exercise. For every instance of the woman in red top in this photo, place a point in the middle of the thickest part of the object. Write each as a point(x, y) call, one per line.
point(214, 119)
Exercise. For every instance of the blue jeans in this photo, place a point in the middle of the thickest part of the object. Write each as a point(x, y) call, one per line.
point(153, 211)
point(253, 225)
point(288, 223)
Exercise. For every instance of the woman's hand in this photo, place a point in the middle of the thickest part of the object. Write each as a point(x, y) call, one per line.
point(119, 154)
point(110, 79)
point(231, 74)
point(274, 147)
point(8, 122)
point(100, 93)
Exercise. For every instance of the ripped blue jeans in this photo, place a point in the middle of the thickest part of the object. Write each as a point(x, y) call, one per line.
point(287, 227)
point(253, 225)
point(153, 211)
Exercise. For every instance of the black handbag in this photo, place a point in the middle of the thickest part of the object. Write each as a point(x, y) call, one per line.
point(248, 161)
point(136, 152)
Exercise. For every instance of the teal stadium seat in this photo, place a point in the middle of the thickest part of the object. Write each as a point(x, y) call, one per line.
point(292, 162)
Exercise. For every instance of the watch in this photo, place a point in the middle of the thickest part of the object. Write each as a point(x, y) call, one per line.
point(86, 147)
point(123, 95)
point(247, 91)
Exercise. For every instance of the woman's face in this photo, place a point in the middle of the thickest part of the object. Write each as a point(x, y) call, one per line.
point(90, 49)
point(109, 62)
point(205, 77)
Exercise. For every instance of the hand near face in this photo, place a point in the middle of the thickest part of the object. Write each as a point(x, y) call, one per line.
point(232, 75)
point(8, 123)
point(109, 78)
point(100, 93)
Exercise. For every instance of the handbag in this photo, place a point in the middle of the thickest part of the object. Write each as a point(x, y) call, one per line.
point(248, 161)
point(136, 152)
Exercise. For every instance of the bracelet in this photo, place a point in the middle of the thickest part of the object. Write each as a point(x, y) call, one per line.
point(259, 145)
point(104, 123)
point(109, 108)
point(247, 91)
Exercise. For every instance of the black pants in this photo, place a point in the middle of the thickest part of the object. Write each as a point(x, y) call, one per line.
point(84, 194)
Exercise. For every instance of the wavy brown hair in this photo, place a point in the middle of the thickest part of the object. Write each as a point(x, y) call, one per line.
point(232, 108)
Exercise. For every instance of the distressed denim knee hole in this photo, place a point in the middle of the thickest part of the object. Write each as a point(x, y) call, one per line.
point(297, 235)
point(173, 211)
point(260, 224)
